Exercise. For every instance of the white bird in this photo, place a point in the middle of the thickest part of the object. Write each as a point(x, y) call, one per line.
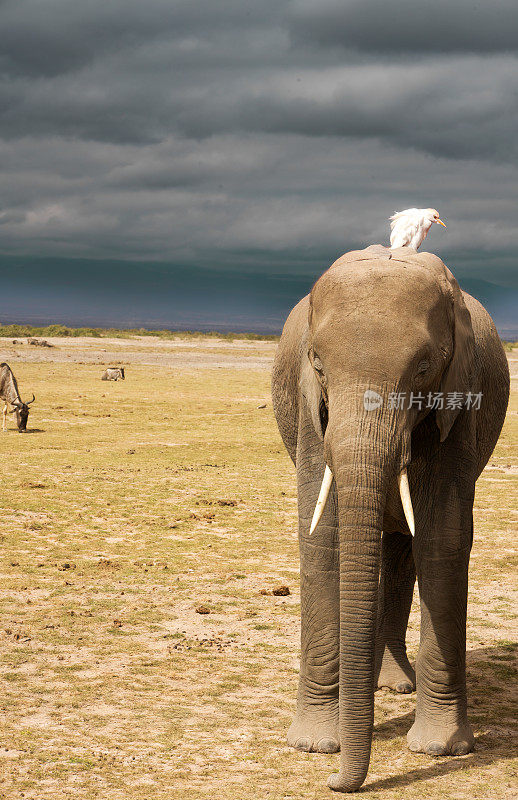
point(409, 227)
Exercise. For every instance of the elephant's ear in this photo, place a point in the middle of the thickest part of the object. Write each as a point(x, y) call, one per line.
point(458, 375)
point(311, 391)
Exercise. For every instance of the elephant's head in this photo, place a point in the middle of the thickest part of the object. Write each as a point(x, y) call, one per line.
point(379, 330)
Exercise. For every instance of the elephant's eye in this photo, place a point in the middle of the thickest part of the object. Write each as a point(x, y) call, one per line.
point(422, 367)
point(319, 369)
point(317, 364)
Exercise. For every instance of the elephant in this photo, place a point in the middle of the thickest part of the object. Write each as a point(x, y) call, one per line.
point(381, 330)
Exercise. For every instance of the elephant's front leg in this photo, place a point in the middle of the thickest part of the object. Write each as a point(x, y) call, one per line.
point(441, 725)
point(315, 726)
point(396, 590)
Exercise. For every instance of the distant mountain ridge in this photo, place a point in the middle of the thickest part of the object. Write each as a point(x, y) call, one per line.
point(121, 294)
point(500, 301)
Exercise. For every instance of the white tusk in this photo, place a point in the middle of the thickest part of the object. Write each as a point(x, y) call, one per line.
point(327, 480)
point(404, 491)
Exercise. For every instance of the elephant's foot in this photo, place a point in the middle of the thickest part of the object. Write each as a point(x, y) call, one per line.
point(315, 729)
point(398, 676)
point(437, 740)
point(343, 783)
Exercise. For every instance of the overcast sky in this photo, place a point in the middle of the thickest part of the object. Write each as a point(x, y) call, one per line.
point(258, 134)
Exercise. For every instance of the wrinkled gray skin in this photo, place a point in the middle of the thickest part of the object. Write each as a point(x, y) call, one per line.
point(390, 323)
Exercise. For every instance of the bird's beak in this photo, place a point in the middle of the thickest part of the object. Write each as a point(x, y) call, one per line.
point(440, 222)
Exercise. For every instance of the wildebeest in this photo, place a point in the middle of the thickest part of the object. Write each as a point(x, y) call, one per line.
point(11, 396)
point(113, 374)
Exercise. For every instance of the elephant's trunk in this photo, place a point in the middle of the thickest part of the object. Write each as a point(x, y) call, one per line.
point(362, 447)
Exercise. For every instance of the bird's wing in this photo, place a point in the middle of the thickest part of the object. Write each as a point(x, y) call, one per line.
point(401, 233)
point(408, 214)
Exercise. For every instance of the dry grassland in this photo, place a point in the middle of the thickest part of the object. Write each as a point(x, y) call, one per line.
point(128, 506)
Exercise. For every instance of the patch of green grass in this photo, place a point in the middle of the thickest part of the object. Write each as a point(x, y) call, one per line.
point(17, 330)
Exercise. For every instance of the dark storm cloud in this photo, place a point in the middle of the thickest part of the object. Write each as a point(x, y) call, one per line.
point(58, 36)
point(132, 73)
point(407, 26)
point(458, 108)
point(268, 135)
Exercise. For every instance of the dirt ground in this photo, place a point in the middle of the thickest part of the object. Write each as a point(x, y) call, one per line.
point(145, 350)
point(128, 509)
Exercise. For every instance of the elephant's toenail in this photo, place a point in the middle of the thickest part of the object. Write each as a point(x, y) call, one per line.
point(460, 748)
point(404, 687)
point(327, 746)
point(435, 749)
point(304, 745)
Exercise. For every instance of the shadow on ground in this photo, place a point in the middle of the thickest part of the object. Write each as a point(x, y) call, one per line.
point(492, 699)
